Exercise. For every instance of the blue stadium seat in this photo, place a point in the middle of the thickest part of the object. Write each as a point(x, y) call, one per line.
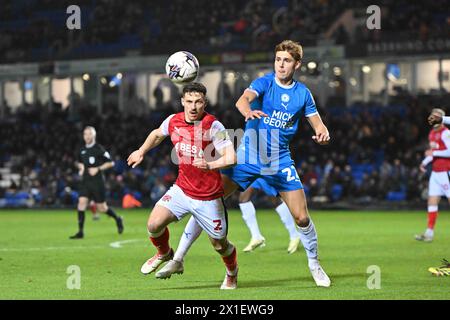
point(306, 189)
point(138, 172)
point(120, 166)
point(137, 195)
point(336, 192)
point(396, 196)
point(358, 177)
point(14, 24)
point(280, 3)
point(22, 195)
point(74, 195)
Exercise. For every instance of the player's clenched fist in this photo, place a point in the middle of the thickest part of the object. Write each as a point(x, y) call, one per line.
point(135, 158)
point(322, 138)
point(200, 163)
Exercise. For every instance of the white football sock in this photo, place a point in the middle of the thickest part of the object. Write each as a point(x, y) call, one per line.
point(249, 216)
point(288, 220)
point(190, 234)
point(308, 236)
point(429, 232)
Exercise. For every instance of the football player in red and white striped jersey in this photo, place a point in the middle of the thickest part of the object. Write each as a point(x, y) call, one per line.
point(439, 185)
point(202, 147)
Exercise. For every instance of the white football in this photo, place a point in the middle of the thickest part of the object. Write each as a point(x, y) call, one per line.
point(182, 67)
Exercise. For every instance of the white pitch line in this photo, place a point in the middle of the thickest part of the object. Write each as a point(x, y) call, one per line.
point(49, 248)
point(115, 245)
point(118, 244)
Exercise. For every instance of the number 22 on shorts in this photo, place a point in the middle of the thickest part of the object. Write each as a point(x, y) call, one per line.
point(291, 173)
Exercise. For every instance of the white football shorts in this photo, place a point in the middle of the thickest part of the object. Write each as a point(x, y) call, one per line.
point(439, 184)
point(211, 215)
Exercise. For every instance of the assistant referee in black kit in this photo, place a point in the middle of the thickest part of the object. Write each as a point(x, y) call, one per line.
point(93, 159)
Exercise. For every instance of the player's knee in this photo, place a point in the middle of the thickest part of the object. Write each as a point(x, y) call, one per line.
point(102, 208)
point(276, 201)
point(154, 227)
point(82, 205)
point(243, 199)
point(219, 245)
point(302, 221)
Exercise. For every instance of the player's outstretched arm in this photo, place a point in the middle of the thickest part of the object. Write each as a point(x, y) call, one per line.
point(153, 139)
point(228, 158)
point(322, 135)
point(106, 166)
point(243, 105)
point(94, 170)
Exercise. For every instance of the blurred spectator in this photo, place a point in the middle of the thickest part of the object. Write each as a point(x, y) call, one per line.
point(368, 157)
point(158, 191)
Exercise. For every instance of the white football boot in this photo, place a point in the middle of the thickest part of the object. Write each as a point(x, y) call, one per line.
point(255, 243)
point(319, 276)
point(172, 267)
point(154, 262)
point(230, 282)
point(423, 237)
point(293, 245)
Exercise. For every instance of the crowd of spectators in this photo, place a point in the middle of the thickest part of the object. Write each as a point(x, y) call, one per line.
point(36, 30)
point(374, 155)
point(375, 150)
point(401, 20)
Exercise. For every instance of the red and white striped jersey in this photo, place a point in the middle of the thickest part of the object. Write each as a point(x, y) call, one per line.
point(440, 141)
point(193, 140)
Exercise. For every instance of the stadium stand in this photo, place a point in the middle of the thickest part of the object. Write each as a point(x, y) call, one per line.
point(37, 144)
point(37, 158)
point(36, 28)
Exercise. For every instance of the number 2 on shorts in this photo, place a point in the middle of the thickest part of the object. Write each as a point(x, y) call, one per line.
point(218, 226)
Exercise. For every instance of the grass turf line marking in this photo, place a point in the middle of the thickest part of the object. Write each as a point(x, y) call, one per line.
point(115, 245)
point(50, 248)
point(118, 244)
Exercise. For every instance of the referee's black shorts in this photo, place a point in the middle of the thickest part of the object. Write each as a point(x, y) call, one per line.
point(94, 190)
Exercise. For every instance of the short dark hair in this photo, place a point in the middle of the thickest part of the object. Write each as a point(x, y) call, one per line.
point(194, 87)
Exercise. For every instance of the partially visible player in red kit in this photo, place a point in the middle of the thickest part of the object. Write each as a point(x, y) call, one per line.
point(439, 185)
point(202, 148)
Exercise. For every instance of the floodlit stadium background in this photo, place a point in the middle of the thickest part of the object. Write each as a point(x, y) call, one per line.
point(374, 89)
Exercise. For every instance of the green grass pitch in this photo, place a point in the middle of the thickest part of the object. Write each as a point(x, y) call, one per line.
point(35, 253)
